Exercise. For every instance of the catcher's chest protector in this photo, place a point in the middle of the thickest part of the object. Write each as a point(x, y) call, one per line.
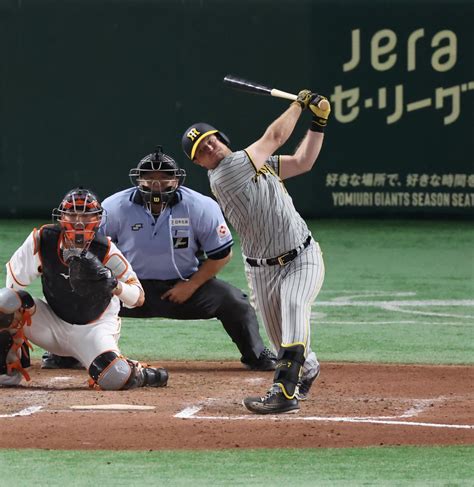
point(66, 304)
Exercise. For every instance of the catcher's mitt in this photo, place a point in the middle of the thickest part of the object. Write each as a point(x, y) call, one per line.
point(88, 276)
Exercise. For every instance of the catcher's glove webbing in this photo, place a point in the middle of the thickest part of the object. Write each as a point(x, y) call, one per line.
point(88, 276)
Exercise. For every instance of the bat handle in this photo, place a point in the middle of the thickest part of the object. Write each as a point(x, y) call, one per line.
point(323, 104)
point(283, 94)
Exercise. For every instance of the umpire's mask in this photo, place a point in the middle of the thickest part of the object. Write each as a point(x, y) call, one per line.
point(157, 177)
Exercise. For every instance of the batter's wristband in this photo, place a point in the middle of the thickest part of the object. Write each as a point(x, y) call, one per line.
point(315, 125)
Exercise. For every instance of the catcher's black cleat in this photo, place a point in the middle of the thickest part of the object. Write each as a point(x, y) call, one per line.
point(155, 377)
point(266, 361)
point(304, 385)
point(274, 402)
point(51, 361)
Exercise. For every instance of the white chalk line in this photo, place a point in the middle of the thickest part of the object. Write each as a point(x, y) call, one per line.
point(24, 412)
point(431, 323)
point(397, 306)
point(190, 412)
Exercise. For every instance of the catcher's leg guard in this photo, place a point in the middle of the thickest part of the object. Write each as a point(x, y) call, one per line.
point(6, 342)
point(113, 372)
point(290, 361)
point(12, 360)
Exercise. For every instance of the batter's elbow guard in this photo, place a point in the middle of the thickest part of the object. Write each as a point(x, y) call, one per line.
point(288, 368)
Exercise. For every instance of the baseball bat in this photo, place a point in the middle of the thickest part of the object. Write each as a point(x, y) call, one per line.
point(248, 86)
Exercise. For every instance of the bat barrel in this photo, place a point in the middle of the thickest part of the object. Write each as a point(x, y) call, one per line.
point(246, 85)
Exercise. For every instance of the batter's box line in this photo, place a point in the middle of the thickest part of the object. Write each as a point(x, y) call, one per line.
point(24, 412)
point(191, 413)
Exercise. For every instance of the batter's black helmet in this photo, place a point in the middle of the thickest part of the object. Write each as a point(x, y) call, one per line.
point(195, 134)
point(157, 161)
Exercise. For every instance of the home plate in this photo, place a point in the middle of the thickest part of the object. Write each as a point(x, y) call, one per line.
point(114, 407)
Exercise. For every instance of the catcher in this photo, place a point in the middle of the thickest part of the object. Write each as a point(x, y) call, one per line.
point(84, 277)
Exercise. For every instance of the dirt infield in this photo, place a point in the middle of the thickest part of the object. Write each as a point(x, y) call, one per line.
point(351, 405)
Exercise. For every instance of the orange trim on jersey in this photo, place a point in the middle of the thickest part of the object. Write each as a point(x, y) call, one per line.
point(39, 248)
point(36, 241)
point(250, 159)
point(13, 275)
point(133, 281)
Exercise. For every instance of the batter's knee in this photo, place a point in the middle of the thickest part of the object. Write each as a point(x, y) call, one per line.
point(113, 372)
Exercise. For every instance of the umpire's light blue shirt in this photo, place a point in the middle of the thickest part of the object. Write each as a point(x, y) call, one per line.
point(156, 247)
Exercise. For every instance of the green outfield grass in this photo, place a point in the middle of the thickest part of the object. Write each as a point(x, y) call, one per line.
point(395, 291)
point(387, 466)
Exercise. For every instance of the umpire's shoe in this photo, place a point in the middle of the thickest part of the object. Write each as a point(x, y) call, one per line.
point(155, 377)
point(51, 361)
point(274, 402)
point(266, 361)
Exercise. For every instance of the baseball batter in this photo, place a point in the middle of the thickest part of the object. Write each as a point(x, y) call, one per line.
point(83, 276)
point(284, 264)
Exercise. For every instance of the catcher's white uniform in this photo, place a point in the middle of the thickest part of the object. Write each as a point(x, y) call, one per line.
point(47, 330)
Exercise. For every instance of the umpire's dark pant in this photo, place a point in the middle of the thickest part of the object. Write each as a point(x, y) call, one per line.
point(214, 299)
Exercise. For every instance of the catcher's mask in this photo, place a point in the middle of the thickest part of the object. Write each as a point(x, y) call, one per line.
point(79, 216)
point(196, 133)
point(157, 177)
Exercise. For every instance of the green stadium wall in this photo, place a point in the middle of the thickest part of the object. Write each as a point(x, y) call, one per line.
point(89, 87)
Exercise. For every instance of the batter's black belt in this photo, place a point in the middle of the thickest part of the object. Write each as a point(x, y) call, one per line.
point(282, 259)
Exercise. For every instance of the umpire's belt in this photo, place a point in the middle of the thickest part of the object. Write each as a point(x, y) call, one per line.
point(282, 259)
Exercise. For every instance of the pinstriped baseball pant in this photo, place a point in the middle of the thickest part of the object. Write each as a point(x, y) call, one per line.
point(284, 294)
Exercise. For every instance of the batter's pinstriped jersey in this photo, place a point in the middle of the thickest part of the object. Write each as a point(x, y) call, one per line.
point(257, 205)
point(262, 212)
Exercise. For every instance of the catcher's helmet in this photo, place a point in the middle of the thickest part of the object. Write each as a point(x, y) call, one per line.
point(196, 133)
point(157, 190)
point(79, 215)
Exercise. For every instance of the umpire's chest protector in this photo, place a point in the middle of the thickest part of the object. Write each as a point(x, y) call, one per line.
point(66, 304)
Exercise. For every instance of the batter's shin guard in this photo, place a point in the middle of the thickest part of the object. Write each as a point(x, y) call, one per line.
point(290, 361)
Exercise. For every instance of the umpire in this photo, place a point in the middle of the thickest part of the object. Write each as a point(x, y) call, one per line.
point(162, 228)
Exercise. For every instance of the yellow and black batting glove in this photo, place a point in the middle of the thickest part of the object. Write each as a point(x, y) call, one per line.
point(321, 108)
point(304, 98)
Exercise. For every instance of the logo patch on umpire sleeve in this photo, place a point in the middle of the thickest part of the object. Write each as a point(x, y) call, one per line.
point(180, 242)
point(137, 226)
point(223, 230)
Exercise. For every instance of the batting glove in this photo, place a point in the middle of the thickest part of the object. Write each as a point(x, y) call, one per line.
point(304, 98)
point(320, 115)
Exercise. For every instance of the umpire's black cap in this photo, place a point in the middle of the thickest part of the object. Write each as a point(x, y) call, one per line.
point(196, 133)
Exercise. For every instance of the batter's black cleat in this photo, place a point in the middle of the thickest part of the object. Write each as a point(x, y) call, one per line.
point(155, 377)
point(304, 385)
point(266, 361)
point(274, 402)
point(51, 361)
